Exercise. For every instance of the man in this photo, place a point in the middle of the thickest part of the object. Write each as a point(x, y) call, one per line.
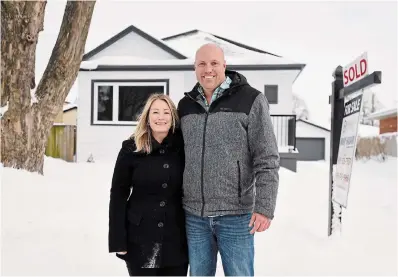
point(231, 166)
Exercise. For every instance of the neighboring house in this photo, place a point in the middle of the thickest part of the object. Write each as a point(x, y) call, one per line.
point(116, 78)
point(387, 119)
point(68, 115)
point(312, 141)
point(61, 142)
point(387, 129)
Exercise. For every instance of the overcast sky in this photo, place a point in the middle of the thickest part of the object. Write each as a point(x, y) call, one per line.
point(320, 34)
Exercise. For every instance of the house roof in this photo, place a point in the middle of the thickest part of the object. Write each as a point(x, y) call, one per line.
point(222, 38)
point(313, 124)
point(69, 106)
point(384, 113)
point(121, 63)
point(240, 56)
point(363, 130)
point(127, 31)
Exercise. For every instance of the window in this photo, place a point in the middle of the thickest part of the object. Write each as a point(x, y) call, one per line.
point(271, 92)
point(132, 100)
point(105, 103)
point(121, 102)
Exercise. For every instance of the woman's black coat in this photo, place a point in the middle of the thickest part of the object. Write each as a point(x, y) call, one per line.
point(150, 225)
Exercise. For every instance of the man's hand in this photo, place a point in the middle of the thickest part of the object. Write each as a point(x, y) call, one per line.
point(122, 253)
point(261, 223)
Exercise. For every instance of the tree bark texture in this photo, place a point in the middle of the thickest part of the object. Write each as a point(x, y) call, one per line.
point(26, 124)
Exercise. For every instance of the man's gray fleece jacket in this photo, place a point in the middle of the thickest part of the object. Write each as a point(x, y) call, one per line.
point(231, 153)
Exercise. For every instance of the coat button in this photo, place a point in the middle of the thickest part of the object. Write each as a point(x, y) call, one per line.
point(162, 204)
point(161, 151)
point(164, 185)
point(166, 166)
point(160, 224)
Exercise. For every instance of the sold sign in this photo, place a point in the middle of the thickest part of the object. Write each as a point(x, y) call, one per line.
point(356, 70)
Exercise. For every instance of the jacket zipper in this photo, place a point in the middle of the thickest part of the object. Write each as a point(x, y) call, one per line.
point(202, 167)
point(204, 144)
point(203, 156)
point(239, 186)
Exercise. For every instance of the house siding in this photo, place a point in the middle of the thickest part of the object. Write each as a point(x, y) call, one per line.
point(103, 142)
point(388, 125)
point(69, 117)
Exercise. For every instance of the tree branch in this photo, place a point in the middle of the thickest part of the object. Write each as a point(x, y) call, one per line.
point(20, 22)
point(64, 64)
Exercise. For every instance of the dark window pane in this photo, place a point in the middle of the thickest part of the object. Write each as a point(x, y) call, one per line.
point(271, 92)
point(132, 100)
point(105, 103)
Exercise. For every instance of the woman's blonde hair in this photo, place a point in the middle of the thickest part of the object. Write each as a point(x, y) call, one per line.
point(142, 134)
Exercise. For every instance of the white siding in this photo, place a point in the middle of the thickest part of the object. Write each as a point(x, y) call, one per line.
point(103, 142)
point(257, 79)
point(305, 130)
point(284, 80)
point(134, 45)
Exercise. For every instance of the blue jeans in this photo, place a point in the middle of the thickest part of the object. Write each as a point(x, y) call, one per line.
point(229, 234)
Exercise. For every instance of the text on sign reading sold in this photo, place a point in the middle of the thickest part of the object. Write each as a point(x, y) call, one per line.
point(356, 70)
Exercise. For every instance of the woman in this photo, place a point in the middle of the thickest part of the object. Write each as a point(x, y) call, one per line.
point(147, 229)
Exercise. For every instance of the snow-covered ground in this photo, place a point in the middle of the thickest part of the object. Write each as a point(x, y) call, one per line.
point(57, 224)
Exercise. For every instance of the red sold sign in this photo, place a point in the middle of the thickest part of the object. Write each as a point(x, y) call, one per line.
point(356, 70)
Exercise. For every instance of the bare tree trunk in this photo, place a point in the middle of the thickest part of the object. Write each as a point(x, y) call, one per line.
point(26, 125)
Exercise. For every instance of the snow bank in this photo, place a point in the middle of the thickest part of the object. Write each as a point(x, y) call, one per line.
point(58, 223)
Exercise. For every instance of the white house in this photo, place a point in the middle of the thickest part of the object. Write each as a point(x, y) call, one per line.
point(116, 78)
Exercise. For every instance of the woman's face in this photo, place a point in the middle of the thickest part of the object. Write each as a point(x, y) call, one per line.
point(160, 117)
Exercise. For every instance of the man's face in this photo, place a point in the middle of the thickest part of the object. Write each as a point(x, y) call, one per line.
point(210, 67)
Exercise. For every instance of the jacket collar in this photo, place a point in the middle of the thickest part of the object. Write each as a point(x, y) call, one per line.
point(165, 143)
point(237, 80)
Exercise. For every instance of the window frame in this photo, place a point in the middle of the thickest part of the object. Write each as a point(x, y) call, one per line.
point(115, 83)
point(277, 93)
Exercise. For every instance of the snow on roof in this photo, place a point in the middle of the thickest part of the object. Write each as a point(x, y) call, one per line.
point(138, 31)
point(383, 113)
point(316, 124)
point(363, 130)
point(195, 31)
point(188, 44)
point(367, 130)
point(138, 61)
point(130, 60)
point(69, 106)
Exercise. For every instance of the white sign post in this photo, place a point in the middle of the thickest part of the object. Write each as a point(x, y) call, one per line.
point(352, 73)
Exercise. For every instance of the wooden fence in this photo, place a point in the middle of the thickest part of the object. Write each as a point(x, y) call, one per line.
point(61, 142)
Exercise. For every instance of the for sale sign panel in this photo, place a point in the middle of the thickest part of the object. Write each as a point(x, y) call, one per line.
point(346, 154)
